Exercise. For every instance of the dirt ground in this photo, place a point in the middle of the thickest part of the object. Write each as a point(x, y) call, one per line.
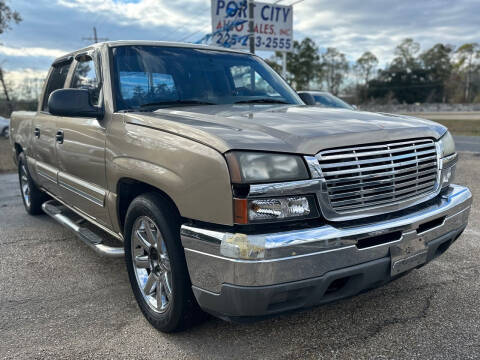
point(6, 162)
point(462, 127)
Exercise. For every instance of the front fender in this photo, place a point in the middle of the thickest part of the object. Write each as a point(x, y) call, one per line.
point(193, 175)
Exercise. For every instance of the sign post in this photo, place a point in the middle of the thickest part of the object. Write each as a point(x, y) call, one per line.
point(272, 25)
point(251, 30)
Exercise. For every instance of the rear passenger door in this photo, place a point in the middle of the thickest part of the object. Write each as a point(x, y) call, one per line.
point(81, 153)
point(44, 130)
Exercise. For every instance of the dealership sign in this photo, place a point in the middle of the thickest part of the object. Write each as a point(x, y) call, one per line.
point(272, 25)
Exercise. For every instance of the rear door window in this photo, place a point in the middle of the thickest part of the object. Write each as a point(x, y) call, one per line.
point(56, 81)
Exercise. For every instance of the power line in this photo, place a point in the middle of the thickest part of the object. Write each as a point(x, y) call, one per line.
point(296, 2)
point(194, 33)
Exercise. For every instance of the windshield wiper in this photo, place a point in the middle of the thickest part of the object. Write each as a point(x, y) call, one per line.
point(176, 102)
point(261, 101)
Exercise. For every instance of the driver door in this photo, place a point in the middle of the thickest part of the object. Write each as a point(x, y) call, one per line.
point(81, 148)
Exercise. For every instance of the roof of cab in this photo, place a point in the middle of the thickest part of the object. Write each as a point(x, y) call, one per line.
point(147, 43)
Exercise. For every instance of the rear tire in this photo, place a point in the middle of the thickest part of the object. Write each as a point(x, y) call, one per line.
point(156, 264)
point(32, 196)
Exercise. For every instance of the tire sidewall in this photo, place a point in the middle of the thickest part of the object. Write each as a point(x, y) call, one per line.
point(23, 161)
point(150, 206)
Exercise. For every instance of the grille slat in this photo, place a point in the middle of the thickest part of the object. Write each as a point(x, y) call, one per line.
point(378, 203)
point(424, 168)
point(380, 167)
point(392, 195)
point(377, 160)
point(342, 188)
point(345, 151)
point(395, 186)
point(377, 175)
point(373, 153)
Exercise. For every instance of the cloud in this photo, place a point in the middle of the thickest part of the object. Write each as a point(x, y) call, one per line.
point(26, 83)
point(53, 27)
point(31, 51)
point(145, 13)
point(379, 26)
point(24, 74)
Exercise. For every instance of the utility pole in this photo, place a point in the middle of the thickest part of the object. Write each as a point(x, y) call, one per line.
point(284, 65)
point(251, 29)
point(95, 38)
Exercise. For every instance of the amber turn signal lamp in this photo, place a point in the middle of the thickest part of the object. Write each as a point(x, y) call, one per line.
point(240, 211)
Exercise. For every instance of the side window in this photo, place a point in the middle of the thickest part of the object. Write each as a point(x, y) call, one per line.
point(57, 78)
point(85, 77)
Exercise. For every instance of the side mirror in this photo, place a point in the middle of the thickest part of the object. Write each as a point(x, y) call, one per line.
point(73, 103)
point(307, 98)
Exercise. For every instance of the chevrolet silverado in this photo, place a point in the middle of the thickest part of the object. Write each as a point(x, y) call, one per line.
point(223, 190)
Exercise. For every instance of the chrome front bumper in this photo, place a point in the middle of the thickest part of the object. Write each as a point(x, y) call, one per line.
point(308, 253)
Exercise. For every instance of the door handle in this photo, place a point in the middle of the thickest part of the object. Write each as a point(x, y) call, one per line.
point(59, 137)
point(36, 132)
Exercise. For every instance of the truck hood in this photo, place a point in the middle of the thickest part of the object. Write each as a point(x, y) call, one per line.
point(297, 129)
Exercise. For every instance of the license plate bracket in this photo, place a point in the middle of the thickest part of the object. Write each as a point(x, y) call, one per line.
point(407, 255)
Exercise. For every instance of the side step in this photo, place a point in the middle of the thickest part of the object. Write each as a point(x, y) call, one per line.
point(92, 236)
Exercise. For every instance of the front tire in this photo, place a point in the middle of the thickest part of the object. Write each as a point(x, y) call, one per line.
point(32, 196)
point(156, 263)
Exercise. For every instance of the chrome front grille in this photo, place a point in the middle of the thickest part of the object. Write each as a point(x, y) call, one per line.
point(373, 176)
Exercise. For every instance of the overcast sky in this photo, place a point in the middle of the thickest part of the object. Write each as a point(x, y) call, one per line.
point(53, 27)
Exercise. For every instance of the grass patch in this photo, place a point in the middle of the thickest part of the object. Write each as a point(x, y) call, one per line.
point(6, 161)
point(462, 127)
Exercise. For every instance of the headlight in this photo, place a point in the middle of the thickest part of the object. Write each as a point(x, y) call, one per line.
point(256, 167)
point(248, 211)
point(448, 159)
point(447, 145)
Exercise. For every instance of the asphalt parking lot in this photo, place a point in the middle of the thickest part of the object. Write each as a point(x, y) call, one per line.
point(467, 143)
point(58, 299)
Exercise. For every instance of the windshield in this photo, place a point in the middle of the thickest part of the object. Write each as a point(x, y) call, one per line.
point(150, 77)
point(328, 100)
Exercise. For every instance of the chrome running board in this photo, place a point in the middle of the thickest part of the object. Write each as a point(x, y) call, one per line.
point(92, 236)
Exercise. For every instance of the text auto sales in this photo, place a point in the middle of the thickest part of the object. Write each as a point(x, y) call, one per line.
point(268, 13)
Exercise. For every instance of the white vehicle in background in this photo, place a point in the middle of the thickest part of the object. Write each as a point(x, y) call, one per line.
point(4, 127)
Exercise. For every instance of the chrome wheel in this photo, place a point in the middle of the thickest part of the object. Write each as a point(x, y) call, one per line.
point(25, 185)
point(151, 264)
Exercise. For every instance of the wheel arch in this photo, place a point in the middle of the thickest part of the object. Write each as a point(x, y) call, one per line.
point(128, 189)
point(18, 150)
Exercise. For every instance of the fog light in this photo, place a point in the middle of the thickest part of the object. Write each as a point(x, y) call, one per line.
point(242, 246)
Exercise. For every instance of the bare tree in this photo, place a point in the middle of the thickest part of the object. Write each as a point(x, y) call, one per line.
point(7, 17)
point(335, 68)
point(467, 54)
point(365, 66)
point(5, 91)
point(406, 56)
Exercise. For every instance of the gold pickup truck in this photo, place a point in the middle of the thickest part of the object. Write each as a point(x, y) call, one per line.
point(225, 192)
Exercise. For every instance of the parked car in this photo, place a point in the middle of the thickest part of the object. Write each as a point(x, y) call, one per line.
point(4, 127)
point(325, 99)
point(229, 194)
